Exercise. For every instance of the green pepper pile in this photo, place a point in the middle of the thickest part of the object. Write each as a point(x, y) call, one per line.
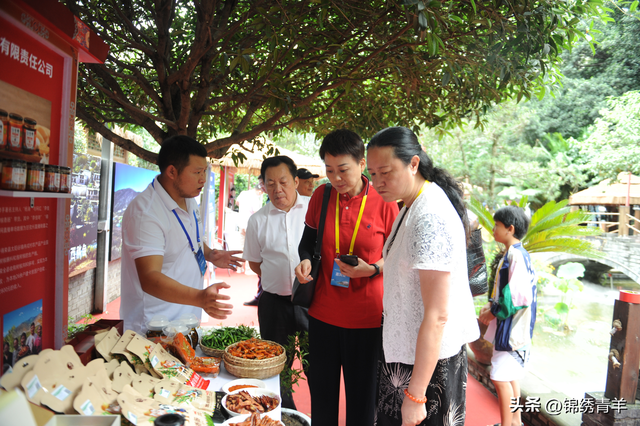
point(220, 338)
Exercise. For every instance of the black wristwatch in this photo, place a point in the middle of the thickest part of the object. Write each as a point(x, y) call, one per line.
point(377, 272)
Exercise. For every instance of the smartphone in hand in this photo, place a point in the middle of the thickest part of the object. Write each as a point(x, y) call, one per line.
point(349, 259)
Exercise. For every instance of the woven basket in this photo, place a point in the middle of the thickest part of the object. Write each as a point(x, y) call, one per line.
point(254, 368)
point(254, 372)
point(218, 353)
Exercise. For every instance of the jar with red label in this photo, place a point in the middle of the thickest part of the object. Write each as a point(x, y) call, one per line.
point(4, 129)
point(14, 138)
point(29, 142)
point(14, 175)
point(51, 178)
point(65, 179)
point(35, 177)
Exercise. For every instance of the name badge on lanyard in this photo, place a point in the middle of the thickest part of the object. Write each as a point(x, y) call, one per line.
point(338, 279)
point(202, 263)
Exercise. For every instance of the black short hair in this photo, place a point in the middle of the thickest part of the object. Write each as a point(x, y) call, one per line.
point(342, 142)
point(176, 150)
point(512, 215)
point(275, 162)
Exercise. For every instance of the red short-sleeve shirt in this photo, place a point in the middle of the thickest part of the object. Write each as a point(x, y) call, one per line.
point(360, 305)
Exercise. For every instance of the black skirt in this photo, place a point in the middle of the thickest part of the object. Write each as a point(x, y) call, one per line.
point(446, 393)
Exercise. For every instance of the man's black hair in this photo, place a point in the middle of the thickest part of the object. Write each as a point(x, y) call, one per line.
point(275, 162)
point(512, 215)
point(342, 142)
point(176, 150)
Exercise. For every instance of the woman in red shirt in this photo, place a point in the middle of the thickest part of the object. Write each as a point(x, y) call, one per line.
point(346, 312)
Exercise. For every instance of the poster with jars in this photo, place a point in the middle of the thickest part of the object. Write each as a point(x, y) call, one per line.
point(35, 106)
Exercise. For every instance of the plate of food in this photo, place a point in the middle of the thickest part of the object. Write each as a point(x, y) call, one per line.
point(252, 400)
point(251, 420)
point(238, 384)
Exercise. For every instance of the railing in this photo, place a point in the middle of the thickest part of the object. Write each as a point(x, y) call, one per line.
point(635, 228)
point(626, 224)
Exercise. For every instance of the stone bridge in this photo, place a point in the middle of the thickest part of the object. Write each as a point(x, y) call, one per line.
point(619, 253)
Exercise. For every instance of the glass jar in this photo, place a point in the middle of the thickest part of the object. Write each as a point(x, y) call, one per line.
point(14, 140)
point(192, 322)
point(14, 175)
point(51, 178)
point(29, 142)
point(35, 177)
point(65, 179)
point(156, 325)
point(4, 129)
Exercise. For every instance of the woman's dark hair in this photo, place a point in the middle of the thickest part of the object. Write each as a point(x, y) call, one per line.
point(512, 215)
point(342, 142)
point(275, 162)
point(176, 150)
point(405, 145)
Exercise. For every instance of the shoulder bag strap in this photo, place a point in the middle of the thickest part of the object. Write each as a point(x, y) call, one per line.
point(323, 215)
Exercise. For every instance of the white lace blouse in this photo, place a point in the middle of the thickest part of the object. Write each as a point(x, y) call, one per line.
point(430, 237)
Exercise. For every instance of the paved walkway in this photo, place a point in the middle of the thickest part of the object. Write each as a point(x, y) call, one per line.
point(482, 406)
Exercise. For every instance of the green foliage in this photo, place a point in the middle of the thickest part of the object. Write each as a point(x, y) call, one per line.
point(614, 144)
point(568, 284)
point(296, 349)
point(225, 72)
point(74, 328)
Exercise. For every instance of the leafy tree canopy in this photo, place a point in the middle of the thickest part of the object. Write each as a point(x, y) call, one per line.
point(225, 71)
point(614, 144)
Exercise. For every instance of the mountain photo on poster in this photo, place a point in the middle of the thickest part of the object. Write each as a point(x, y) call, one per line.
point(83, 232)
point(128, 182)
point(22, 334)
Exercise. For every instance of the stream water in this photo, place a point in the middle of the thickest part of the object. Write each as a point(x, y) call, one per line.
point(573, 360)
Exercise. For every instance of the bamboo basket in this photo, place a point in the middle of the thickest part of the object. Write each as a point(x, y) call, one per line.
point(218, 353)
point(254, 368)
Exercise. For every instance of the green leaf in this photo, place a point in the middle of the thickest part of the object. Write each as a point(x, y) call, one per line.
point(633, 6)
point(561, 308)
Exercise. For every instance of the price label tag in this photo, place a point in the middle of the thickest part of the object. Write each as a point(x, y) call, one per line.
point(87, 408)
point(33, 387)
point(61, 393)
point(154, 361)
point(165, 393)
point(132, 418)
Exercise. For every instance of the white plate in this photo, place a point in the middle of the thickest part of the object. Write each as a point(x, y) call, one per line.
point(255, 382)
point(274, 414)
point(296, 413)
point(239, 419)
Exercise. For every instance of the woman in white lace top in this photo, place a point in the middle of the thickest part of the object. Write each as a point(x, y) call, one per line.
point(428, 308)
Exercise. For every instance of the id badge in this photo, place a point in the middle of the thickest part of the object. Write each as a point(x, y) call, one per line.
point(201, 262)
point(337, 278)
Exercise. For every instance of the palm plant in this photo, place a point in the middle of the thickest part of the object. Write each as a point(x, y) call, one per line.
point(553, 228)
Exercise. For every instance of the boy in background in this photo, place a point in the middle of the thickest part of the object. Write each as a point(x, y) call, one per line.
point(511, 311)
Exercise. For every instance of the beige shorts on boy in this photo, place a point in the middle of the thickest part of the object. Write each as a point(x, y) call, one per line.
point(509, 366)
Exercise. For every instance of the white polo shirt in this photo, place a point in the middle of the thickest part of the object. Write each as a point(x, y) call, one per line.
point(272, 238)
point(150, 228)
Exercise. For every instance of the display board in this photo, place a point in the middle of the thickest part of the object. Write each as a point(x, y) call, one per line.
point(38, 76)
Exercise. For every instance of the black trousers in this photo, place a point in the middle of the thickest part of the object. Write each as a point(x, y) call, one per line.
point(356, 353)
point(279, 319)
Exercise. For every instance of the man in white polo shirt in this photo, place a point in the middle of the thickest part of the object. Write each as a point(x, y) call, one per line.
point(271, 248)
point(163, 255)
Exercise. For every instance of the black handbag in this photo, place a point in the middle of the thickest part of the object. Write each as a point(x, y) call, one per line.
point(476, 265)
point(302, 294)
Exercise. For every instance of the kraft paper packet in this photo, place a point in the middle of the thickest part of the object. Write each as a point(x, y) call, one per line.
point(60, 398)
point(173, 393)
point(96, 396)
point(123, 375)
point(110, 367)
point(145, 385)
point(142, 347)
point(51, 368)
point(170, 368)
point(99, 336)
point(12, 380)
point(143, 411)
point(107, 343)
point(121, 349)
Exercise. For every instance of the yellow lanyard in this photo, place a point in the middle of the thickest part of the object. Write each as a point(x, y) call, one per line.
point(355, 231)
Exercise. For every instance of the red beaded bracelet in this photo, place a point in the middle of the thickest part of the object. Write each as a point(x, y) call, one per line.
point(422, 400)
